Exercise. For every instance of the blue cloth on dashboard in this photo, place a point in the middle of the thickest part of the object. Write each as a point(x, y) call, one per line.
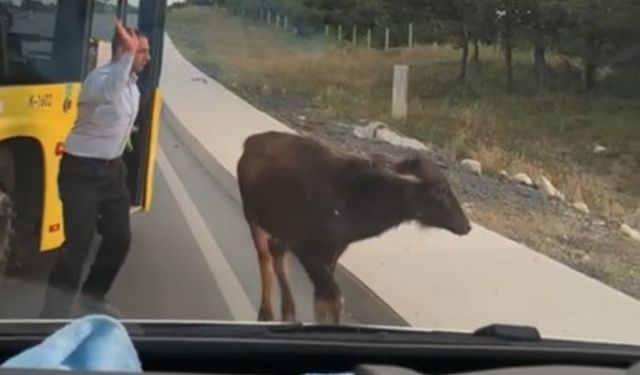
point(93, 343)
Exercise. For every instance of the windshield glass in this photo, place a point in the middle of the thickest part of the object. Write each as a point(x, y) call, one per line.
point(27, 29)
point(430, 164)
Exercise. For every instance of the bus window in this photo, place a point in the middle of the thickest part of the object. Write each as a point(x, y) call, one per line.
point(101, 33)
point(38, 46)
point(102, 30)
point(28, 41)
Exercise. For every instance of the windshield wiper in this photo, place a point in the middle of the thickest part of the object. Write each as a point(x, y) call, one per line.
point(489, 334)
point(509, 332)
point(492, 334)
point(498, 331)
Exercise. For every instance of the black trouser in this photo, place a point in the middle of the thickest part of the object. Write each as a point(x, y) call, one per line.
point(94, 196)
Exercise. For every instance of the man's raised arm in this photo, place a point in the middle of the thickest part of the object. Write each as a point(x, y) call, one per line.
point(105, 86)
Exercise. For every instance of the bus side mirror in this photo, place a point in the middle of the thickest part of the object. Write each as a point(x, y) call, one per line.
point(4, 46)
point(92, 59)
point(99, 53)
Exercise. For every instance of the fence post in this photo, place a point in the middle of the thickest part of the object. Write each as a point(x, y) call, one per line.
point(399, 105)
point(435, 35)
point(277, 19)
point(326, 31)
point(411, 35)
point(286, 23)
point(269, 18)
point(354, 36)
point(339, 34)
point(368, 38)
point(386, 39)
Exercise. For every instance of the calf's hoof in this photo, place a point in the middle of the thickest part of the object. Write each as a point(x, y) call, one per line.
point(265, 315)
point(327, 311)
point(289, 317)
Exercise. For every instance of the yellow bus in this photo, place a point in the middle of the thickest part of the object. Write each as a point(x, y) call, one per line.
point(47, 47)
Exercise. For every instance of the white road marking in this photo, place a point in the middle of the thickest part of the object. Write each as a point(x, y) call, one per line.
point(234, 295)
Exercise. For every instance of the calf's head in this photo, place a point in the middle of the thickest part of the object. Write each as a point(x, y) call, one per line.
point(429, 196)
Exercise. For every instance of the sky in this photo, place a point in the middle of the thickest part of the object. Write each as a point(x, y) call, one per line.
point(135, 2)
point(132, 2)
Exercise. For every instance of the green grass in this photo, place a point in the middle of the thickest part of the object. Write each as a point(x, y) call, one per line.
point(551, 132)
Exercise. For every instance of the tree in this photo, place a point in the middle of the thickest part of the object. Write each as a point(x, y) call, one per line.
point(507, 14)
point(457, 16)
point(360, 13)
point(484, 27)
point(543, 20)
point(596, 29)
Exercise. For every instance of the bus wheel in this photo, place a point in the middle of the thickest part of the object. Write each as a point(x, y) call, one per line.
point(7, 231)
point(7, 205)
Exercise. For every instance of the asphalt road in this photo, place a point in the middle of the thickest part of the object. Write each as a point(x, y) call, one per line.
point(192, 257)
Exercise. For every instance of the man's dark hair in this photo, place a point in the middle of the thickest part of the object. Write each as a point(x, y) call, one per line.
point(117, 42)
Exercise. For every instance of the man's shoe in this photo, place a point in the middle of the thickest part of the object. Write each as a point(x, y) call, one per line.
point(57, 304)
point(88, 305)
point(55, 312)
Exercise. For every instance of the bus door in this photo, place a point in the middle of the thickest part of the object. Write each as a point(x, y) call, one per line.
point(140, 158)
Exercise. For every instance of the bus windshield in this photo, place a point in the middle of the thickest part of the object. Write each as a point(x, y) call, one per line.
point(27, 43)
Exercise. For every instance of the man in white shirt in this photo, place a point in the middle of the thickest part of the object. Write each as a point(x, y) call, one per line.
point(92, 179)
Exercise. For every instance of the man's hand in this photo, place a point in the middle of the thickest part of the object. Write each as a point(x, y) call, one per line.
point(127, 36)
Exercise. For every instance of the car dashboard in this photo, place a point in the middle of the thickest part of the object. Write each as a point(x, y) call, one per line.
point(351, 350)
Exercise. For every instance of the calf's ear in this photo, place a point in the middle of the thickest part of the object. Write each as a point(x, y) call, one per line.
point(383, 161)
point(426, 171)
point(363, 184)
point(411, 165)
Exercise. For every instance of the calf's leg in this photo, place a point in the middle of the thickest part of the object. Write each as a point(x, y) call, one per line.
point(280, 254)
point(328, 303)
point(261, 242)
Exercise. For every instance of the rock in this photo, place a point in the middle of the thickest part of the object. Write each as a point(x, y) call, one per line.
point(302, 118)
point(199, 79)
point(582, 207)
point(525, 191)
point(579, 255)
point(633, 220)
point(504, 175)
point(380, 131)
point(616, 210)
point(599, 149)
point(369, 131)
point(523, 179)
point(469, 207)
point(472, 166)
point(626, 229)
point(344, 125)
point(600, 223)
point(547, 187)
